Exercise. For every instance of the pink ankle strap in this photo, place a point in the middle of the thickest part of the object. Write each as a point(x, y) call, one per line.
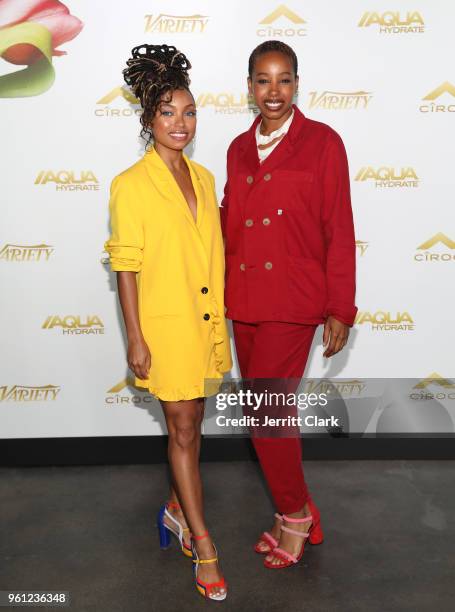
point(302, 534)
point(305, 519)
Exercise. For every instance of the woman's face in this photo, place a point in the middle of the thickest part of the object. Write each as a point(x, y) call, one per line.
point(174, 124)
point(273, 84)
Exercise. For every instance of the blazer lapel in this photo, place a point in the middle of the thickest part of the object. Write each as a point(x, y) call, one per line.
point(198, 186)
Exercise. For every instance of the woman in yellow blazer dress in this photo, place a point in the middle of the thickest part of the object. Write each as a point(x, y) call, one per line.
point(167, 248)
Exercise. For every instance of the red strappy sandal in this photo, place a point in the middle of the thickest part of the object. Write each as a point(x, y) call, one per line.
point(284, 556)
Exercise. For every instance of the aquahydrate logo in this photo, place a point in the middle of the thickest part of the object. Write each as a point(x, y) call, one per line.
point(120, 394)
point(282, 22)
point(26, 252)
point(175, 24)
point(68, 180)
point(394, 22)
point(446, 91)
point(440, 388)
point(225, 103)
point(382, 320)
point(25, 393)
point(386, 177)
point(75, 325)
point(119, 102)
point(437, 248)
point(340, 100)
point(361, 247)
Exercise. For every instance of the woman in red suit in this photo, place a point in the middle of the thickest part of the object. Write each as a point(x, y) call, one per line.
point(290, 266)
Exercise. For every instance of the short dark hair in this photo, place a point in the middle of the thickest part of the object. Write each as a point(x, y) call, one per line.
point(272, 45)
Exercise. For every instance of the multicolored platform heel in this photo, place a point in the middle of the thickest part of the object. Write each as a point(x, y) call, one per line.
point(205, 588)
point(165, 530)
point(283, 555)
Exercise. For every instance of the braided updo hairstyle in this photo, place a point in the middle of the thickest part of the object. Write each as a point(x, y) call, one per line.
point(153, 73)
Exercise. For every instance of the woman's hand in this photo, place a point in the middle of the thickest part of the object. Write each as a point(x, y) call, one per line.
point(139, 358)
point(335, 336)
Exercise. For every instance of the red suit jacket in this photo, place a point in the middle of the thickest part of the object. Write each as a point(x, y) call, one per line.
point(288, 228)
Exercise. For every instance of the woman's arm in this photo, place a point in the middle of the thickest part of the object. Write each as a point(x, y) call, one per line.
point(139, 359)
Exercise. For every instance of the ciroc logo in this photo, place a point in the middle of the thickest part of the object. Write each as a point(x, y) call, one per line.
point(129, 104)
point(30, 252)
point(175, 24)
point(386, 321)
point(23, 393)
point(440, 240)
point(446, 89)
point(120, 394)
point(442, 388)
point(386, 176)
point(67, 180)
point(75, 325)
point(391, 22)
point(340, 100)
point(294, 24)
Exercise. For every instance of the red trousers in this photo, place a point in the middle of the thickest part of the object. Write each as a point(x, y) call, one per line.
point(276, 350)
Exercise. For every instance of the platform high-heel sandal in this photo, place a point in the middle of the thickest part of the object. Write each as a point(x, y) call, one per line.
point(284, 556)
point(165, 530)
point(205, 588)
point(267, 539)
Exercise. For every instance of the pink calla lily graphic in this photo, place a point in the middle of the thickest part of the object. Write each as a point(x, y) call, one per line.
point(51, 14)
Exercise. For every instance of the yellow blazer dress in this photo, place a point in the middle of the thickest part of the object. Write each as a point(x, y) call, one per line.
point(180, 274)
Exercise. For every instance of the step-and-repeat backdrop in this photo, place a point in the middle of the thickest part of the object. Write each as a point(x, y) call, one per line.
point(380, 73)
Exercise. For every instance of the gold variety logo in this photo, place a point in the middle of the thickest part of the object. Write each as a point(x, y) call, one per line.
point(340, 100)
point(283, 13)
point(67, 180)
point(30, 252)
point(361, 247)
point(175, 24)
point(386, 177)
point(226, 103)
point(445, 388)
point(391, 22)
point(22, 393)
point(75, 325)
point(130, 105)
point(386, 321)
point(346, 388)
point(446, 89)
point(440, 240)
point(117, 397)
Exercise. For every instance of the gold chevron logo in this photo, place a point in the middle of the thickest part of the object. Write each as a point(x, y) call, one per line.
point(126, 382)
point(445, 87)
point(282, 11)
point(439, 237)
point(434, 379)
point(118, 92)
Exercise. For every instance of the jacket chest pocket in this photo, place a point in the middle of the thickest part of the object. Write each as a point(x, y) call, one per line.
point(293, 188)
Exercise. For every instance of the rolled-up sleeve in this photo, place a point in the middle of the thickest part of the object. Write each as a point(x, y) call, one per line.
point(126, 243)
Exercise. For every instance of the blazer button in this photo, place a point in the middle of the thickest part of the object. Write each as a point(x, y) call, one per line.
point(242, 267)
point(266, 221)
point(249, 179)
point(249, 222)
point(267, 176)
point(268, 265)
point(206, 316)
point(204, 290)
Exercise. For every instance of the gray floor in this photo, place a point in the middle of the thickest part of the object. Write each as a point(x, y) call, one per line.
point(389, 528)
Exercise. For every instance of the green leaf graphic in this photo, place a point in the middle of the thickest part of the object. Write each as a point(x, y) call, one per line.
point(39, 76)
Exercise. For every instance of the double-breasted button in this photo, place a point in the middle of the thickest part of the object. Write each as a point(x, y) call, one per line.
point(206, 316)
point(268, 265)
point(204, 290)
point(249, 222)
point(267, 176)
point(242, 267)
point(249, 179)
point(266, 221)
